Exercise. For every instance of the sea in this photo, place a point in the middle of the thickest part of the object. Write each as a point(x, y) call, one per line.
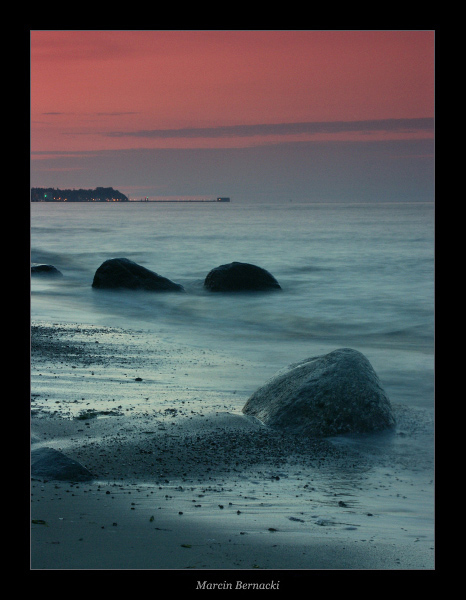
point(354, 275)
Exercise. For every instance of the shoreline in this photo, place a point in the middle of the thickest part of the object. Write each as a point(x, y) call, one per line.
point(185, 481)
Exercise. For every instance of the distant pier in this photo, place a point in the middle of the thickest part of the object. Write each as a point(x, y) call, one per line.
point(220, 199)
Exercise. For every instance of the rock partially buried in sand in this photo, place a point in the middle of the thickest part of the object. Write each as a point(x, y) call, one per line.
point(240, 277)
point(45, 270)
point(324, 396)
point(117, 273)
point(47, 463)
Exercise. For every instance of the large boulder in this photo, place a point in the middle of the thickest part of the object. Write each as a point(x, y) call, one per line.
point(324, 396)
point(47, 270)
point(240, 277)
point(124, 273)
point(48, 463)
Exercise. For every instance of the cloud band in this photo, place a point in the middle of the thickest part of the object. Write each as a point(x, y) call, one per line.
point(390, 125)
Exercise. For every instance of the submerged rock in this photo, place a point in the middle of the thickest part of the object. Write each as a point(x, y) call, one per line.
point(47, 463)
point(324, 396)
point(124, 273)
point(237, 276)
point(48, 270)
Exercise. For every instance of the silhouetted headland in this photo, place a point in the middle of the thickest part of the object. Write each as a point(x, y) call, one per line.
point(100, 194)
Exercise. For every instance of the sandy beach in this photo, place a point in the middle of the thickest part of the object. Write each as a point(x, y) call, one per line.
point(182, 480)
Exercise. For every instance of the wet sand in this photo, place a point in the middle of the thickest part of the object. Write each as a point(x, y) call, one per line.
point(182, 480)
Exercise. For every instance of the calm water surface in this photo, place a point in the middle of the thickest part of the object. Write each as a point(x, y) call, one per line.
point(352, 275)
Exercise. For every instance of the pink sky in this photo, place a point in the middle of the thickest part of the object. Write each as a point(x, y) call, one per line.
point(108, 92)
point(100, 89)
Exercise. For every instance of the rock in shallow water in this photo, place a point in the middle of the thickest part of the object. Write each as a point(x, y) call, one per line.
point(48, 270)
point(239, 277)
point(124, 273)
point(48, 463)
point(324, 396)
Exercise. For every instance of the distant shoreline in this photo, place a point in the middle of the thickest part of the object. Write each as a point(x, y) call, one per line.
point(122, 201)
point(102, 194)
